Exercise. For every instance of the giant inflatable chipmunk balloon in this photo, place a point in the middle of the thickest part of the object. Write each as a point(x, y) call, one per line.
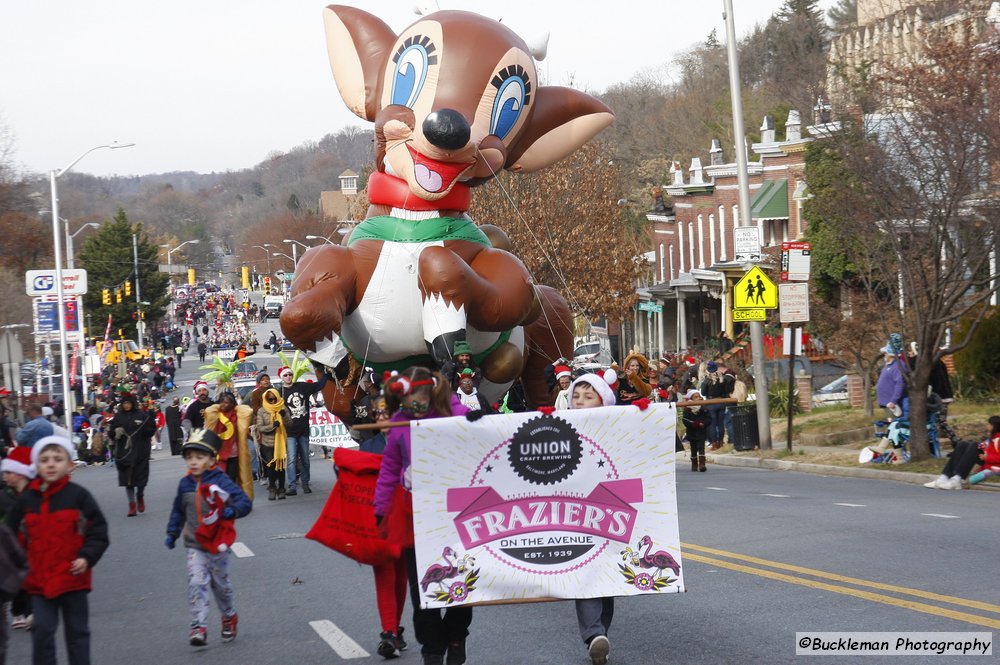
point(455, 98)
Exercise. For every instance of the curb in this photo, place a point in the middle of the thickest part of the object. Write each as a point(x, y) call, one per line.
point(830, 470)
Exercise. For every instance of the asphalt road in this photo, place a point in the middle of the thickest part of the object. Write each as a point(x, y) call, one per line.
point(767, 554)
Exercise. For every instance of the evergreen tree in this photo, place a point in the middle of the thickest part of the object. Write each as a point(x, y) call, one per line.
point(843, 16)
point(107, 256)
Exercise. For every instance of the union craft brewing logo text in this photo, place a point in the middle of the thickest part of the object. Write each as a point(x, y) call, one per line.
point(574, 519)
point(545, 450)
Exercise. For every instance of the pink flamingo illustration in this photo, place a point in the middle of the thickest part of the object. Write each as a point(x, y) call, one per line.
point(658, 560)
point(438, 573)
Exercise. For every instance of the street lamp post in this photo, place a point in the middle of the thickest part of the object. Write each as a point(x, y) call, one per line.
point(295, 250)
point(70, 262)
point(57, 247)
point(267, 255)
point(324, 239)
point(287, 257)
point(171, 251)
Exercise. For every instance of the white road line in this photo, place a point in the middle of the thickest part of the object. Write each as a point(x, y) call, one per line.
point(338, 640)
point(947, 517)
point(241, 550)
point(851, 505)
point(717, 489)
point(777, 496)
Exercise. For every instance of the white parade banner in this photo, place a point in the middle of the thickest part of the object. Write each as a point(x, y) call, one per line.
point(523, 506)
point(326, 430)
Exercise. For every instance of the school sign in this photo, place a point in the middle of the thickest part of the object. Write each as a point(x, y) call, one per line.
point(576, 504)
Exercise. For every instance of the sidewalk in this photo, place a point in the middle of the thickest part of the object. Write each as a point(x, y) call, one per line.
point(752, 459)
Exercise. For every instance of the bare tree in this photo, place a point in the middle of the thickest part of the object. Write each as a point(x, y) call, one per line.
point(917, 216)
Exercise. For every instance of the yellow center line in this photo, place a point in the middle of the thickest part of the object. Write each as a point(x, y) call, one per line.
point(917, 593)
point(933, 610)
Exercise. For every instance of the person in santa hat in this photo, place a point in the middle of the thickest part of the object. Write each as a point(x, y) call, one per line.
point(206, 503)
point(564, 377)
point(18, 471)
point(195, 413)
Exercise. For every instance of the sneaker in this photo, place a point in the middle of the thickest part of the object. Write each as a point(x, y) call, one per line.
point(400, 642)
point(199, 637)
point(29, 621)
point(953, 483)
point(598, 650)
point(229, 628)
point(387, 646)
point(291, 492)
point(306, 489)
point(935, 484)
point(456, 653)
point(18, 622)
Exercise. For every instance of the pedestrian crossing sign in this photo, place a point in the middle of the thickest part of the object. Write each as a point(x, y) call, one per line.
point(755, 290)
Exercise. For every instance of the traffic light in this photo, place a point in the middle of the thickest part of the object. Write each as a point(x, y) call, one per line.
point(118, 295)
point(128, 288)
point(267, 285)
point(106, 296)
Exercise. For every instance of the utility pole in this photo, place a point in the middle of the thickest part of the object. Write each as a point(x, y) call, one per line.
point(138, 297)
point(756, 327)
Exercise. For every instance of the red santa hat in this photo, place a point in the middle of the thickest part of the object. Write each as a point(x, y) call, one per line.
point(198, 385)
point(18, 461)
point(214, 533)
point(283, 369)
point(602, 382)
point(562, 370)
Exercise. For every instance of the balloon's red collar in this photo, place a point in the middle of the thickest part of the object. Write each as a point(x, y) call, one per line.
point(384, 189)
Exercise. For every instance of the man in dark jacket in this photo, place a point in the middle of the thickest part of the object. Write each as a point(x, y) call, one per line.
point(296, 395)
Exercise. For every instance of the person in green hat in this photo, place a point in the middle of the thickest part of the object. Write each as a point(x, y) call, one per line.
point(461, 359)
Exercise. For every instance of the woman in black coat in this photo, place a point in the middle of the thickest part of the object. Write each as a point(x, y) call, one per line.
point(131, 431)
point(174, 430)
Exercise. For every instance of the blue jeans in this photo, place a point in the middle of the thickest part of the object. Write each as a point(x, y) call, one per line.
point(75, 612)
point(298, 450)
point(715, 428)
point(727, 420)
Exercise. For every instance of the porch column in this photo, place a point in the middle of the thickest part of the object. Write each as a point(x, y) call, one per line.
point(661, 327)
point(682, 335)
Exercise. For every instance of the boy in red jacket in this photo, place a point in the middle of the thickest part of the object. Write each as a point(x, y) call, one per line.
point(65, 534)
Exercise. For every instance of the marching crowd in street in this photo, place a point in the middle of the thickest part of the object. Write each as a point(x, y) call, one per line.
point(229, 447)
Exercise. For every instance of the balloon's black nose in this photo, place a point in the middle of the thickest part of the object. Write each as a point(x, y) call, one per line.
point(446, 129)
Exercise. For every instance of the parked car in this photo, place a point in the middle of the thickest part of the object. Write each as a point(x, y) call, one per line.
point(834, 392)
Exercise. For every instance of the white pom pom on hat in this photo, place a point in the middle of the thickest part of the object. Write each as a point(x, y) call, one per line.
point(601, 382)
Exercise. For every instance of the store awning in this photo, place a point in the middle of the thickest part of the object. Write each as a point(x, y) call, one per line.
point(771, 201)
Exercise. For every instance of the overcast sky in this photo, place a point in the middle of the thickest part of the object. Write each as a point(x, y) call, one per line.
point(215, 85)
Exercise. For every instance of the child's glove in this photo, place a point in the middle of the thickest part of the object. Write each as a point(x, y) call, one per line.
point(642, 403)
point(119, 433)
point(228, 513)
point(473, 416)
point(547, 410)
point(170, 542)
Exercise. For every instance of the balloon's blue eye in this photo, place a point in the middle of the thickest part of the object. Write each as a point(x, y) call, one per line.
point(412, 59)
point(513, 96)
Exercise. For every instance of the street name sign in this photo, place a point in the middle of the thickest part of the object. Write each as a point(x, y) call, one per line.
point(647, 306)
point(43, 282)
point(747, 241)
point(793, 301)
point(744, 315)
point(755, 290)
point(795, 260)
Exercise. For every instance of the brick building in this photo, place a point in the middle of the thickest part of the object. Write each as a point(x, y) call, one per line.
point(692, 257)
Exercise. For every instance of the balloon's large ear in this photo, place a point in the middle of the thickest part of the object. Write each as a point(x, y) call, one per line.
point(563, 120)
point(359, 45)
